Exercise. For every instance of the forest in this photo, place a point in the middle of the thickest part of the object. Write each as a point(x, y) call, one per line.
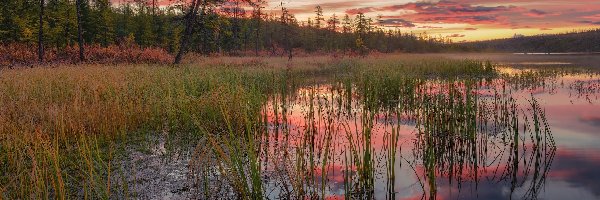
point(144, 31)
point(574, 41)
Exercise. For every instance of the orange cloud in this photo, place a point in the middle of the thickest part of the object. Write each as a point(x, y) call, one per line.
point(456, 35)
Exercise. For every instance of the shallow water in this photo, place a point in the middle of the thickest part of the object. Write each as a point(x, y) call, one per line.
point(519, 136)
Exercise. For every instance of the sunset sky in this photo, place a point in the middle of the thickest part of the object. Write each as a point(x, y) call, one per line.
point(463, 19)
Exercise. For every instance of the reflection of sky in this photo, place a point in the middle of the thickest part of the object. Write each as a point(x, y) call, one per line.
point(574, 119)
point(575, 125)
point(573, 175)
point(578, 168)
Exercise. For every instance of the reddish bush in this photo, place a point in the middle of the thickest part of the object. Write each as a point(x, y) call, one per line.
point(14, 55)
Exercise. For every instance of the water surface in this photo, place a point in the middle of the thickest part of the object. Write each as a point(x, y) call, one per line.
point(530, 133)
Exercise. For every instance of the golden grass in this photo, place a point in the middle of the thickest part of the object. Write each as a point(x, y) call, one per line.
point(61, 128)
point(57, 124)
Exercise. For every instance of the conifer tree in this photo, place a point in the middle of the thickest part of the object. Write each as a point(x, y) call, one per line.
point(319, 18)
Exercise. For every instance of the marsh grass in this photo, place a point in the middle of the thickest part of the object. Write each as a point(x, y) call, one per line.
point(64, 130)
point(60, 125)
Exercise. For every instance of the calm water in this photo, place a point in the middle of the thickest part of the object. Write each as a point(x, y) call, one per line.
point(525, 135)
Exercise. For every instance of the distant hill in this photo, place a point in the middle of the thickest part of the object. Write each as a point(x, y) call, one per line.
point(581, 41)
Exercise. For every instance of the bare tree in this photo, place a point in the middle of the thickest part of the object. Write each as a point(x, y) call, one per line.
point(41, 33)
point(79, 30)
point(189, 21)
point(154, 7)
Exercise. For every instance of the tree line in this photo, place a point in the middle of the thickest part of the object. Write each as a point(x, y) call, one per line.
point(574, 41)
point(232, 27)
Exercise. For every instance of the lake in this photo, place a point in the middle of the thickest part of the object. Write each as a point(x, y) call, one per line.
point(524, 127)
point(533, 132)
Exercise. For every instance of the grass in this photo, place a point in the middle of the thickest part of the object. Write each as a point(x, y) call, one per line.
point(55, 120)
point(64, 130)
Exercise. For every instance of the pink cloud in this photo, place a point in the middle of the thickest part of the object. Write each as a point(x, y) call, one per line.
point(355, 11)
point(498, 14)
point(593, 17)
point(430, 27)
point(486, 14)
point(445, 12)
point(536, 13)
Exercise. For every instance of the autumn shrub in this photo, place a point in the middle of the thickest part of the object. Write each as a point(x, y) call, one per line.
point(18, 55)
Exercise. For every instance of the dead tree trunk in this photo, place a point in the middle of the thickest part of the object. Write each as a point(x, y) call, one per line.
point(188, 30)
point(79, 31)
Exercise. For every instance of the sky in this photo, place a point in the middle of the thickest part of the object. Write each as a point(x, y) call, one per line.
point(462, 20)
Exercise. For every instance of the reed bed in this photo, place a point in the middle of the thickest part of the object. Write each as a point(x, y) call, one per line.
point(62, 127)
point(260, 128)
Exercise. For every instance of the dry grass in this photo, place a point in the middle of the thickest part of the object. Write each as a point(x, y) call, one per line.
point(61, 128)
point(53, 121)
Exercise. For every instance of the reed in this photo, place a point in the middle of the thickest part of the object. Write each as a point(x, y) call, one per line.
point(265, 128)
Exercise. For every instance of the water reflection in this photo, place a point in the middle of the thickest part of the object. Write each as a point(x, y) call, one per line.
point(515, 136)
